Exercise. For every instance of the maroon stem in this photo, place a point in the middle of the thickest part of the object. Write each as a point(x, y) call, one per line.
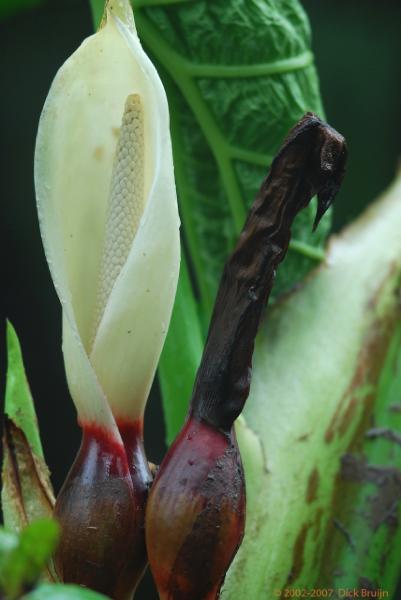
point(101, 509)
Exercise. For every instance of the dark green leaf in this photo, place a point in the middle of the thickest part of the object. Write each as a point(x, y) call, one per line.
point(181, 354)
point(11, 7)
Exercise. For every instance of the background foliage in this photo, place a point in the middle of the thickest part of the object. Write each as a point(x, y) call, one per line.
point(357, 58)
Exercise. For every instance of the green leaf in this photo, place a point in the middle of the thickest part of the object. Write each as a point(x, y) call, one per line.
point(180, 357)
point(62, 592)
point(316, 378)
point(19, 404)
point(231, 105)
point(23, 557)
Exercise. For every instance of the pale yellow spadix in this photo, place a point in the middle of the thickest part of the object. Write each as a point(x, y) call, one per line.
point(108, 215)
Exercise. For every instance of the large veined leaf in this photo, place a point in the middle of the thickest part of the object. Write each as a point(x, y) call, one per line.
point(231, 105)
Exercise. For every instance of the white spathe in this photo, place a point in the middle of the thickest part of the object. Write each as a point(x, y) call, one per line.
point(109, 219)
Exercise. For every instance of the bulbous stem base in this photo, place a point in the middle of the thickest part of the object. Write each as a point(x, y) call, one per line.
point(101, 509)
point(195, 515)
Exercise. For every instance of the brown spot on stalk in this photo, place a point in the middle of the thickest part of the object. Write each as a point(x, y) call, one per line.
point(317, 523)
point(347, 405)
point(367, 370)
point(312, 487)
point(298, 554)
point(98, 152)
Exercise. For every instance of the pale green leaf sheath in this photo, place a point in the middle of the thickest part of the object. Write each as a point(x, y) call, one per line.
point(315, 379)
point(109, 220)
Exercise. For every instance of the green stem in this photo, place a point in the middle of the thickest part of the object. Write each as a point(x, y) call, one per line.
point(184, 194)
point(256, 70)
point(181, 355)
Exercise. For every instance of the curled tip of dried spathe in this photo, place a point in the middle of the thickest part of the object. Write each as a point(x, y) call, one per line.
point(322, 158)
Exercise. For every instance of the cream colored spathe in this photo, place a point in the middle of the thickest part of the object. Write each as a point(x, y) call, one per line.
point(109, 220)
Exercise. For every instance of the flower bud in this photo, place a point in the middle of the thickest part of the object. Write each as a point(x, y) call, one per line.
point(101, 513)
point(196, 512)
point(196, 508)
point(109, 221)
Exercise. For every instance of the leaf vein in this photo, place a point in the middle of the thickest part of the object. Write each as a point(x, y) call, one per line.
point(277, 67)
point(211, 131)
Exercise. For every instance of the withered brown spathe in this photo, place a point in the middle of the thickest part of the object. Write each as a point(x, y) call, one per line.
point(195, 514)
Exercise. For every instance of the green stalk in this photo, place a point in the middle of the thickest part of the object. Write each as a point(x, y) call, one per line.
point(181, 355)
